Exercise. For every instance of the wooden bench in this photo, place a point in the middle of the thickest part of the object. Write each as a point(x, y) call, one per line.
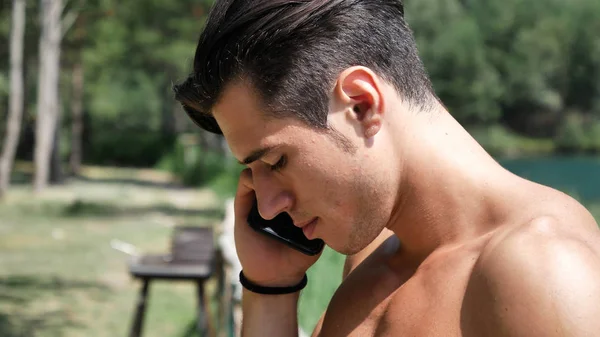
point(192, 258)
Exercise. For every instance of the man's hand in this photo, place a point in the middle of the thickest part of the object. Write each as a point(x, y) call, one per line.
point(265, 261)
point(269, 263)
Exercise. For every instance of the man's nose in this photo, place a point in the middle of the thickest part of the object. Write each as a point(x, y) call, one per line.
point(272, 197)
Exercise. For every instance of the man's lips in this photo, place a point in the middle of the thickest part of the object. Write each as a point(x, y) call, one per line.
point(303, 224)
point(308, 227)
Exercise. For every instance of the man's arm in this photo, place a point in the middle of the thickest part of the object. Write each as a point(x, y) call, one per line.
point(269, 315)
point(538, 281)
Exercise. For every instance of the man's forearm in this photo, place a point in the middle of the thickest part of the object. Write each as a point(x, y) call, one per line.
point(269, 315)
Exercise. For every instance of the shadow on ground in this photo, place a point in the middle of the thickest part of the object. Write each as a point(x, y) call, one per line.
point(23, 177)
point(20, 178)
point(130, 181)
point(92, 209)
point(22, 309)
point(85, 208)
point(81, 208)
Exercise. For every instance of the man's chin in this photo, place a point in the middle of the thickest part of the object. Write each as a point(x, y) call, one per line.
point(344, 249)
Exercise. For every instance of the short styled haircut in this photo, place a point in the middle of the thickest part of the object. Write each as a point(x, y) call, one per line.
point(291, 52)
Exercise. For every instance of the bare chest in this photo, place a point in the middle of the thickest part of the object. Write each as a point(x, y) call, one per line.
point(375, 302)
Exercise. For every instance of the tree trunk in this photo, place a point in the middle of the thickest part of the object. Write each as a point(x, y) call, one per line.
point(56, 171)
point(168, 123)
point(225, 148)
point(182, 122)
point(211, 142)
point(15, 113)
point(77, 118)
point(48, 108)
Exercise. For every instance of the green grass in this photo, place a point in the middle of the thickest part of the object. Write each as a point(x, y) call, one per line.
point(59, 275)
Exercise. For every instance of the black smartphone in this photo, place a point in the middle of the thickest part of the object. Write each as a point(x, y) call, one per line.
point(282, 229)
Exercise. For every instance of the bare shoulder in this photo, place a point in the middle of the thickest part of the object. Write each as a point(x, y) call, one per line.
point(352, 289)
point(538, 279)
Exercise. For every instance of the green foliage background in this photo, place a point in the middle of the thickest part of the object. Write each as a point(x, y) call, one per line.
point(523, 77)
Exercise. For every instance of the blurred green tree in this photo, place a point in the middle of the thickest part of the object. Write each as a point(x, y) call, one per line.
point(510, 71)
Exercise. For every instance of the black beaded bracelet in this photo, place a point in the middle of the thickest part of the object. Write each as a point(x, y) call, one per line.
point(255, 288)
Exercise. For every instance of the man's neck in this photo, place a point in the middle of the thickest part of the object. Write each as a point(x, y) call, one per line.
point(451, 190)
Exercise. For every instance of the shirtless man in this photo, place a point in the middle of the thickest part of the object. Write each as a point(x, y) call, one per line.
point(328, 105)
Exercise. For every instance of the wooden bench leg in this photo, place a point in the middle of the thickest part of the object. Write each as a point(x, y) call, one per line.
point(138, 321)
point(205, 328)
point(202, 322)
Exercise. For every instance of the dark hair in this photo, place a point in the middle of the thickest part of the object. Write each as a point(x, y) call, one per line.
point(291, 52)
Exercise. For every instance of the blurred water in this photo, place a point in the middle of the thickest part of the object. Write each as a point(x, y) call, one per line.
point(577, 176)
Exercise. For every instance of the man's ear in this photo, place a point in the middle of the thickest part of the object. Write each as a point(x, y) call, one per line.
point(358, 90)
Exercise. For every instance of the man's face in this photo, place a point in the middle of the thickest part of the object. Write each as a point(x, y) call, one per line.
point(305, 172)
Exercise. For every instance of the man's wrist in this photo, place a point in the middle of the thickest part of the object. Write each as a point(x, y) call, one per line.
point(275, 282)
point(280, 287)
point(270, 315)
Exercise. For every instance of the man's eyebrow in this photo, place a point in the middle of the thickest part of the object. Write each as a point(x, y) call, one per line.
point(256, 155)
